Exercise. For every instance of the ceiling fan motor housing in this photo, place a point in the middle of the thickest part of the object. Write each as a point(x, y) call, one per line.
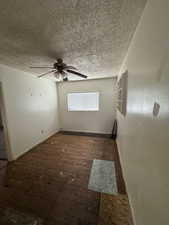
point(59, 65)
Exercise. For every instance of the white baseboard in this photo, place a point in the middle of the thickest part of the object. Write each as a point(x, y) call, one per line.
point(125, 180)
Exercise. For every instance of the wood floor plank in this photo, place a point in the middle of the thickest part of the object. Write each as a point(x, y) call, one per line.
point(51, 180)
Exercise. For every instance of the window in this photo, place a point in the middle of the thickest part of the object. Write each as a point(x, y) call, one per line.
point(83, 101)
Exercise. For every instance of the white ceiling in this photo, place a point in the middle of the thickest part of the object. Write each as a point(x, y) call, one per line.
point(92, 35)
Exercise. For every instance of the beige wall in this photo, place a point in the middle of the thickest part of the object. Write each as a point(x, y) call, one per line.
point(31, 109)
point(99, 122)
point(143, 139)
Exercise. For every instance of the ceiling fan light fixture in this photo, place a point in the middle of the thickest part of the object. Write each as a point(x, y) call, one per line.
point(60, 70)
point(65, 79)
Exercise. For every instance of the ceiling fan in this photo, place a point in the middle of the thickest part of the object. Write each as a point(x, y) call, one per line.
point(60, 70)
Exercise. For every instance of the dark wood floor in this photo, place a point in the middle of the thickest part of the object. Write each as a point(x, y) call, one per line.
point(51, 180)
point(3, 164)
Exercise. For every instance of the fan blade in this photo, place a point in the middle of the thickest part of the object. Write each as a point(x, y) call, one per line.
point(76, 73)
point(39, 67)
point(70, 68)
point(46, 73)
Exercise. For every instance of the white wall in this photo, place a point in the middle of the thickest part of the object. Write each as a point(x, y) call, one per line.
point(143, 139)
point(98, 122)
point(31, 109)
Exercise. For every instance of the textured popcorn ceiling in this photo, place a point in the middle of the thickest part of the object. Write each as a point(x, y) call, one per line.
point(92, 35)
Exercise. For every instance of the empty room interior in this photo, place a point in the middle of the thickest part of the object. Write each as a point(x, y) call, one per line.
point(84, 112)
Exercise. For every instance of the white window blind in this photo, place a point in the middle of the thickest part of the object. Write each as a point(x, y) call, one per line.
point(88, 101)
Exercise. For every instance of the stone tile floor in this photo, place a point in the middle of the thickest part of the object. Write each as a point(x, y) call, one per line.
point(103, 177)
